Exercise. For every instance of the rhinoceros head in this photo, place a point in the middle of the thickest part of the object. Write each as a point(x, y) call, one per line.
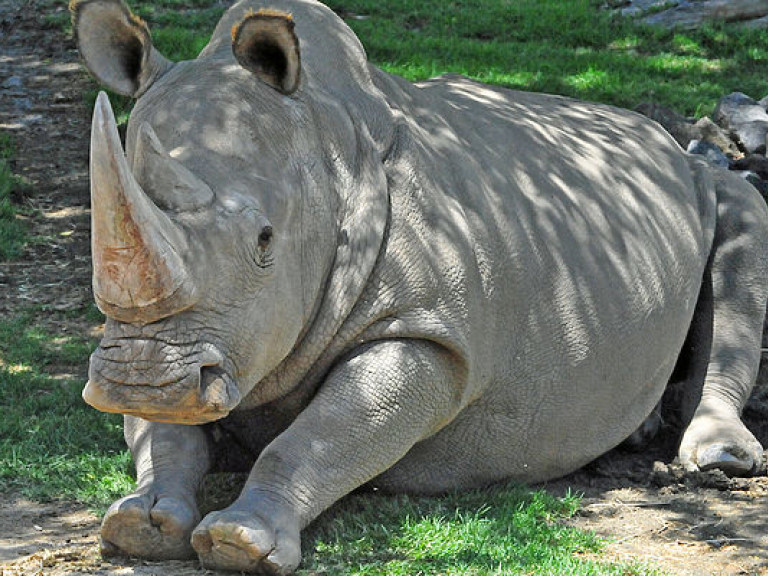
point(216, 230)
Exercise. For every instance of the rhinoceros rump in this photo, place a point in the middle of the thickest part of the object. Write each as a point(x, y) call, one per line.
point(329, 276)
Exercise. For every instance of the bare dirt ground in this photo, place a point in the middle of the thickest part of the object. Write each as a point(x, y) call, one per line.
point(701, 525)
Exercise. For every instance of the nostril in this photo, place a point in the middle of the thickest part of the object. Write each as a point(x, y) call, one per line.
point(217, 389)
point(208, 376)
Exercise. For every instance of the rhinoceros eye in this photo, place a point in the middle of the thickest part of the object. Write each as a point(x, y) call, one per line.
point(262, 255)
point(265, 237)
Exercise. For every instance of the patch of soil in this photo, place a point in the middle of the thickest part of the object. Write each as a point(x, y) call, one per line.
point(41, 105)
point(40, 529)
point(649, 511)
point(690, 525)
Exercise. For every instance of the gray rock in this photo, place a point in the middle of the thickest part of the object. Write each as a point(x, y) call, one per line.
point(744, 117)
point(711, 152)
point(22, 104)
point(694, 14)
point(753, 163)
point(732, 101)
point(708, 131)
point(757, 23)
point(756, 181)
point(684, 130)
point(639, 7)
point(681, 129)
point(13, 82)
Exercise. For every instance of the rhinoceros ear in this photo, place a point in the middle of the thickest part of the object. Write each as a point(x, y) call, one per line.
point(116, 46)
point(264, 43)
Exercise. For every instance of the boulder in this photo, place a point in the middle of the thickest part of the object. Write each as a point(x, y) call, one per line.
point(681, 129)
point(757, 23)
point(754, 163)
point(756, 181)
point(710, 132)
point(639, 7)
point(694, 14)
point(744, 117)
point(711, 152)
point(684, 130)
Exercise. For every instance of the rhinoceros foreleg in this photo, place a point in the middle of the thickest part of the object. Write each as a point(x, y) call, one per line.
point(738, 269)
point(369, 412)
point(157, 519)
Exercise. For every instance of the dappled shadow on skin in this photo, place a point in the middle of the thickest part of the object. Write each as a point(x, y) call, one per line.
point(538, 262)
point(575, 234)
point(528, 165)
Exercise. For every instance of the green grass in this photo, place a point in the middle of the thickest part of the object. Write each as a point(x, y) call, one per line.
point(563, 46)
point(52, 445)
point(568, 47)
point(13, 231)
point(502, 530)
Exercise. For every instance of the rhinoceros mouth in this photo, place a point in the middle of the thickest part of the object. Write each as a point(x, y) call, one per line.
point(203, 392)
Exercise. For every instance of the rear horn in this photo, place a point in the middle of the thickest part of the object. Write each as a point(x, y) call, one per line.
point(173, 186)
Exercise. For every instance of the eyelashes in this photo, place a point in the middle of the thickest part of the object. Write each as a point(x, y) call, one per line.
point(265, 261)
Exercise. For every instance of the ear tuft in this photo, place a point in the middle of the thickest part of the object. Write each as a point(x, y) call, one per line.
point(265, 43)
point(139, 23)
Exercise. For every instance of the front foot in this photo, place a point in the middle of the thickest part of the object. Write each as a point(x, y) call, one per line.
point(717, 438)
point(149, 526)
point(239, 540)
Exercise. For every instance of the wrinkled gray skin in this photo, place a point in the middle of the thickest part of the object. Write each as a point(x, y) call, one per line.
point(464, 284)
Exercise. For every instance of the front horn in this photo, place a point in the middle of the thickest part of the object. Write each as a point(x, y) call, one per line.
point(139, 274)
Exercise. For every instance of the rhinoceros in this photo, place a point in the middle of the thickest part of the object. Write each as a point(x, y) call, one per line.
point(331, 277)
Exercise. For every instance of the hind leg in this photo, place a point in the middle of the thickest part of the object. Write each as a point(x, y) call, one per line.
point(738, 272)
point(644, 435)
